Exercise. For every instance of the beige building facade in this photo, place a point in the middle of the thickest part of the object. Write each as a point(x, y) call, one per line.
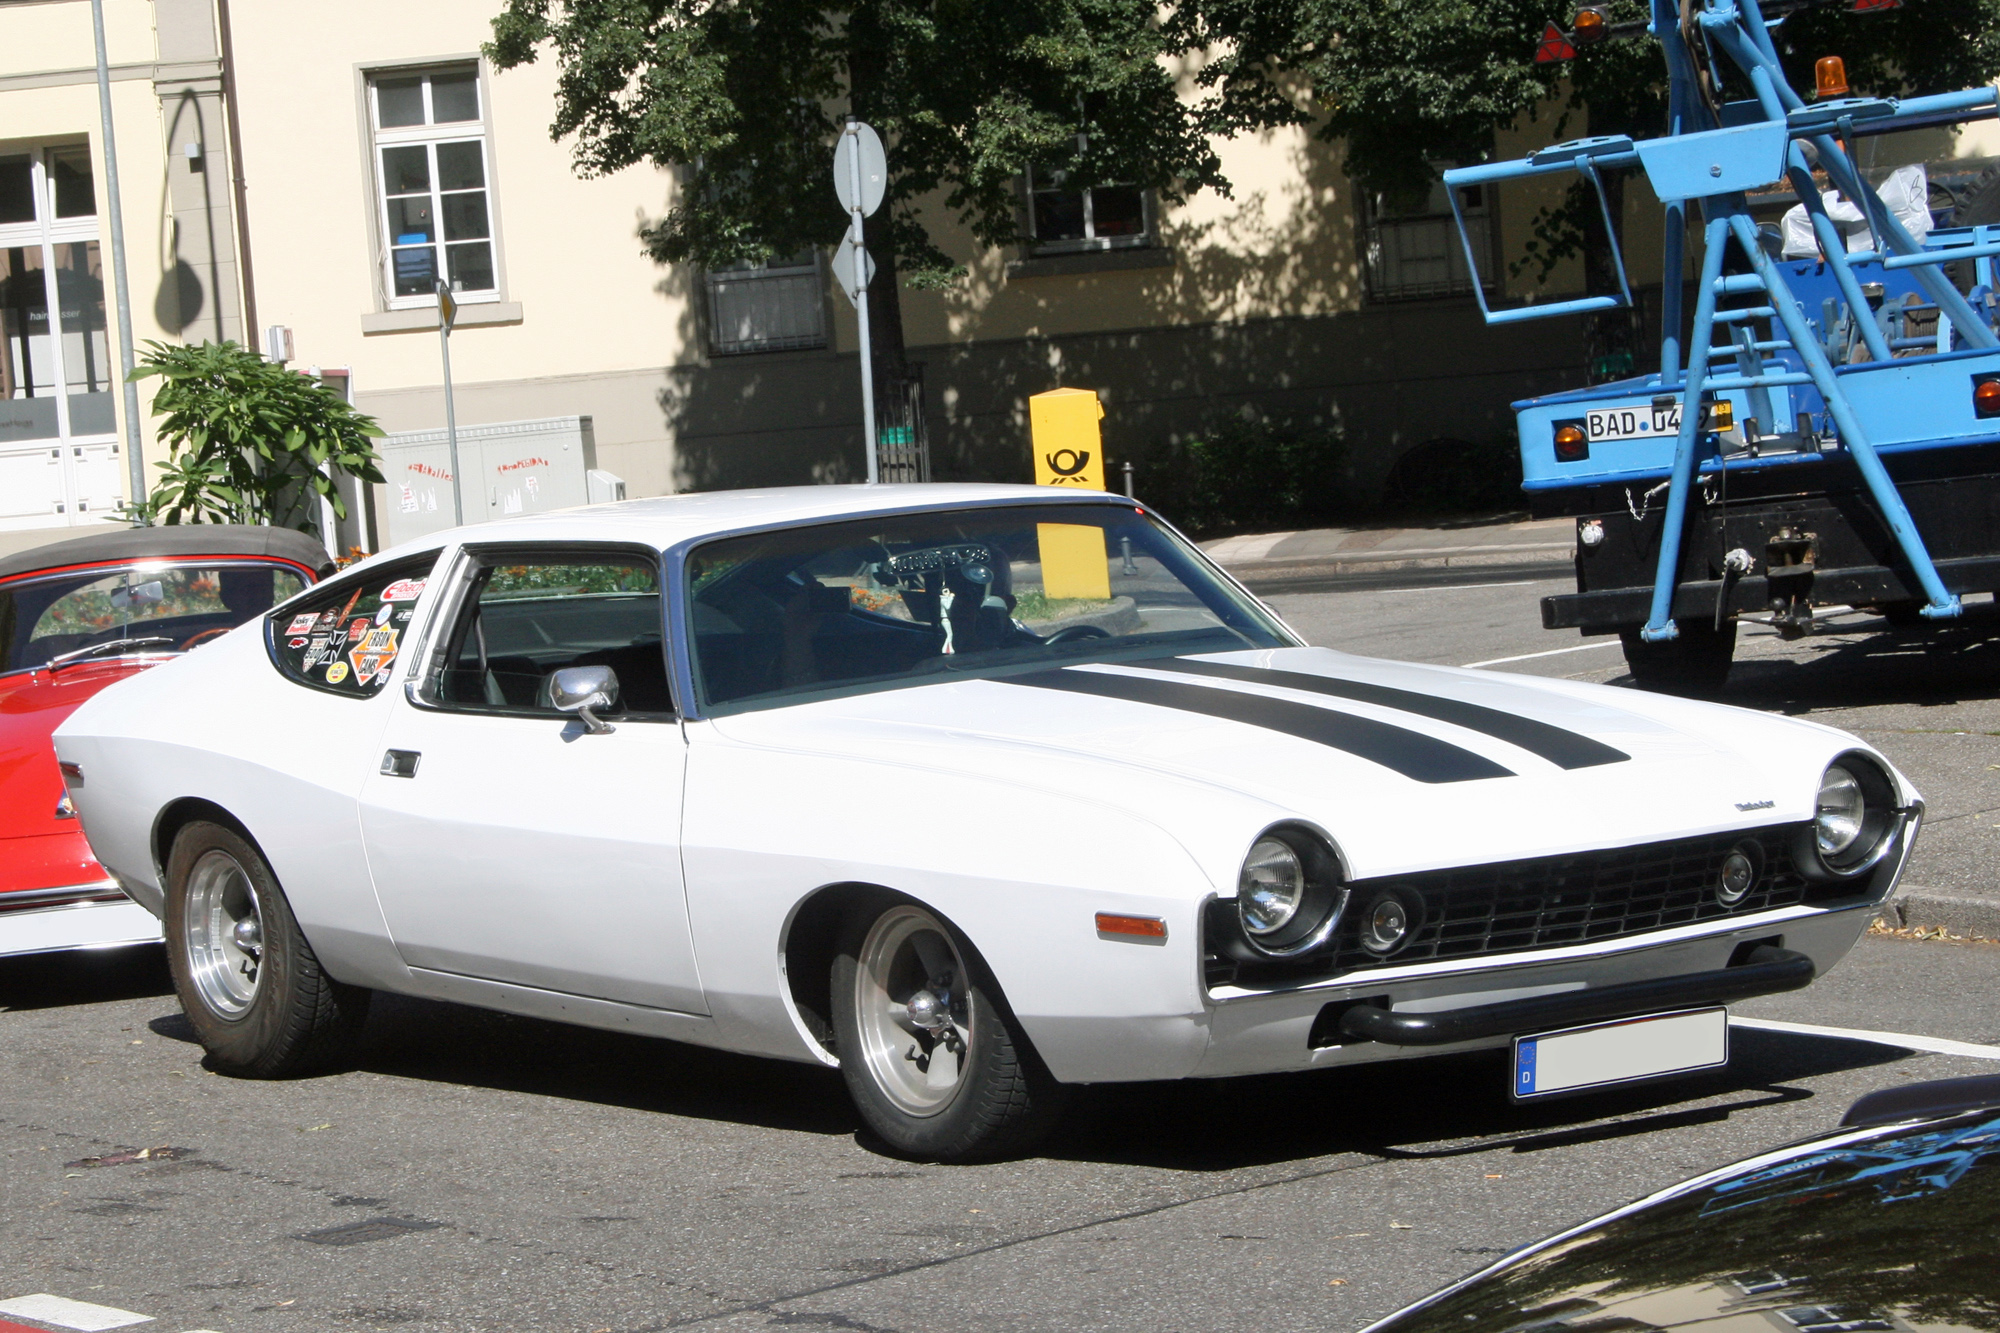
point(326, 175)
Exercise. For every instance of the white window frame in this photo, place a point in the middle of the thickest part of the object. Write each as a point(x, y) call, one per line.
point(725, 285)
point(44, 232)
point(430, 135)
point(1394, 247)
point(1090, 240)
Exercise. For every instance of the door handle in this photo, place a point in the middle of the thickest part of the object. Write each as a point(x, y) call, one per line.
point(400, 763)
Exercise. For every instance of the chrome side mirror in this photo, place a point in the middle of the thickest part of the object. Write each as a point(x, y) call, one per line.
point(583, 691)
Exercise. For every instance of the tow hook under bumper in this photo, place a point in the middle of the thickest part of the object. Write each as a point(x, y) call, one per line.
point(1765, 970)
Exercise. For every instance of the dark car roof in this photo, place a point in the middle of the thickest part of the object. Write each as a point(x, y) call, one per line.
point(172, 542)
point(1851, 1230)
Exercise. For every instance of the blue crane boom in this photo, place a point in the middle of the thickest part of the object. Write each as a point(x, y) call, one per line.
point(1829, 427)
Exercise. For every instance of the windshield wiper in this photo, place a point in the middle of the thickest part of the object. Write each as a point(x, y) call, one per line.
point(93, 650)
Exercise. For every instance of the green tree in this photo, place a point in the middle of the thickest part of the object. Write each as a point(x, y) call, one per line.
point(745, 101)
point(249, 441)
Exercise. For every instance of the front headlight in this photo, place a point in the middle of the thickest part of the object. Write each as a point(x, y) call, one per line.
point(1289, 892)
point(1839, 812)
point(1271, 888)
point(1856, 820)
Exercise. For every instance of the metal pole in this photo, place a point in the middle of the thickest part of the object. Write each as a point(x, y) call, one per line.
point(861, 310)
point(450, 422)
point(135, 463)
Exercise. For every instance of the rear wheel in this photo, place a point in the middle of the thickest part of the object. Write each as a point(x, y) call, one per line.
point(250, 984)
point(935, 1062)
point(1694, 664)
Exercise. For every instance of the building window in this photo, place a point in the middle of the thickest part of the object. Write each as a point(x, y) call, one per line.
point(1416, 252)
point(433, 177)
point(773, 306)
point(1065, 219)
point(58, 445)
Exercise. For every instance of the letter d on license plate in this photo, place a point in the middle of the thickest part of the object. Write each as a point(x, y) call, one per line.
point(1624, 1051)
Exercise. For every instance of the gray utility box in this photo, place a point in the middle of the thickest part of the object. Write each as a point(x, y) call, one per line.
point(511, 467)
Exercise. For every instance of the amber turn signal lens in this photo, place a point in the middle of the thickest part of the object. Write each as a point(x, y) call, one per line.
point(1986, 398)
point(1572, 445)
point(1146, 927)
point(1589, 26)
point(1830, 77)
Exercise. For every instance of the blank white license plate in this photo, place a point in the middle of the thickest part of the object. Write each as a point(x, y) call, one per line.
point(1620, 1052)
point(1632, 423)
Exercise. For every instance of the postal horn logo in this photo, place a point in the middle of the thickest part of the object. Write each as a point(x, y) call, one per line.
point(1068, 462)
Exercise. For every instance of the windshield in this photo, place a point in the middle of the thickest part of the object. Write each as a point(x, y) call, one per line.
point(170, 605)
point(879, 604)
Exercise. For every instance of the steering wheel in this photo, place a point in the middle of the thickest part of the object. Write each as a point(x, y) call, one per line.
point(1073, 633)
point(202, 637)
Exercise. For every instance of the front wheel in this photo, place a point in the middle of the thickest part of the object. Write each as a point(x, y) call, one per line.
point(1693, 664)
point(935, 1062)
point(250, 984)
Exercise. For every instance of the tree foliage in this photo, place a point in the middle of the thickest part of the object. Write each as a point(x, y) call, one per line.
point(746, 98)
point(249, 441)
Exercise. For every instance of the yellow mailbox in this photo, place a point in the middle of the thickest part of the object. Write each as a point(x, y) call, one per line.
point(1062, 424)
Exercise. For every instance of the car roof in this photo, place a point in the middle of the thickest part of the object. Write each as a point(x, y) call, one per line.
point(668, 520)
point(176, 541)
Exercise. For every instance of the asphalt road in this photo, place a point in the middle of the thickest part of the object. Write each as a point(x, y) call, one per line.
point(523, 1175)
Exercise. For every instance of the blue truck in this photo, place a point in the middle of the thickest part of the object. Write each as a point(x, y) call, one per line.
point(1820, 431)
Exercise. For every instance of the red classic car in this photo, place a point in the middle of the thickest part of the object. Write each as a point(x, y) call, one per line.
point(75, 617)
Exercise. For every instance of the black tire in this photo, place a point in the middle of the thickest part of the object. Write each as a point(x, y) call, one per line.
point(1005, 1099)
point(1694, 665)
point(282, 1015)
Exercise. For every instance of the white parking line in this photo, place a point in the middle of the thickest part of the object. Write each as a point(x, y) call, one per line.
point(1461, 587)
point(65, 1313)
point(1553, 652)
point(1934, 1045)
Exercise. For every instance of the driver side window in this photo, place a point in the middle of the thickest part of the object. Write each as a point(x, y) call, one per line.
point(529, 615)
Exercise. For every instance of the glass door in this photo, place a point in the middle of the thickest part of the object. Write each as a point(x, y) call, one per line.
point(59, 461)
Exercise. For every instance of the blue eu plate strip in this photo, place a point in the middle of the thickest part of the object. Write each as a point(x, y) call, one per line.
point(1524, 1068)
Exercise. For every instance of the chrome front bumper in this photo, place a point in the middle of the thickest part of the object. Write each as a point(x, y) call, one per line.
point(1308, 1027)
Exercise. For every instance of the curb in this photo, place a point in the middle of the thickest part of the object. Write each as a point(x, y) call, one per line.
point(1458, 557)
point(1921, 909)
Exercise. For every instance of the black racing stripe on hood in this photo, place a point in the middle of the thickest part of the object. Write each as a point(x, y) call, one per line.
point(1411, 753)
point(1565, 749)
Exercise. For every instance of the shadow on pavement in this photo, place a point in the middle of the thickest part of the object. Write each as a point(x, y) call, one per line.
point(1869, 663)
point(84, 976)
point(1436, 1107)
point(437, 1042)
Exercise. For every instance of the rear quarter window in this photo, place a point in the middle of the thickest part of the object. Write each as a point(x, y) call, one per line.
point(346, 637)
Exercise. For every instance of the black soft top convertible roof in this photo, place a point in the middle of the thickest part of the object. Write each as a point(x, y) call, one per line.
point(176, 541)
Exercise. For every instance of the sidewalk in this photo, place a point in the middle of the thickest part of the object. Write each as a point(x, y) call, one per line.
point(1275, 558)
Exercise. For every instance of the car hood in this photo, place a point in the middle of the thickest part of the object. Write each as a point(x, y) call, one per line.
point(32, 703)
point(1407, 767)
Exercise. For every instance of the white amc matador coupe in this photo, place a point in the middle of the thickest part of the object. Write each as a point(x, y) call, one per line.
point(975, 791)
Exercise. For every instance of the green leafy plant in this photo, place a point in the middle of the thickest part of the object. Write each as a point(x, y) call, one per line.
point(249, 441)
point(1242, 473)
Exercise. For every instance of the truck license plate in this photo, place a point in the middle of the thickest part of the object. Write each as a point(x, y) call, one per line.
point(1632, 423)
point(1623, 1051)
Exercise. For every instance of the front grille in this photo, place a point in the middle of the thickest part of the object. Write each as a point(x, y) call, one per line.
point(1515, 906)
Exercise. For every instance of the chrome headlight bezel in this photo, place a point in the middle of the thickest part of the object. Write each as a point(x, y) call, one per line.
point(1323, 896)
point(1882, 822)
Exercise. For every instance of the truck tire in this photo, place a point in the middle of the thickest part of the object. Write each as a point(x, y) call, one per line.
point(1693, 665)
